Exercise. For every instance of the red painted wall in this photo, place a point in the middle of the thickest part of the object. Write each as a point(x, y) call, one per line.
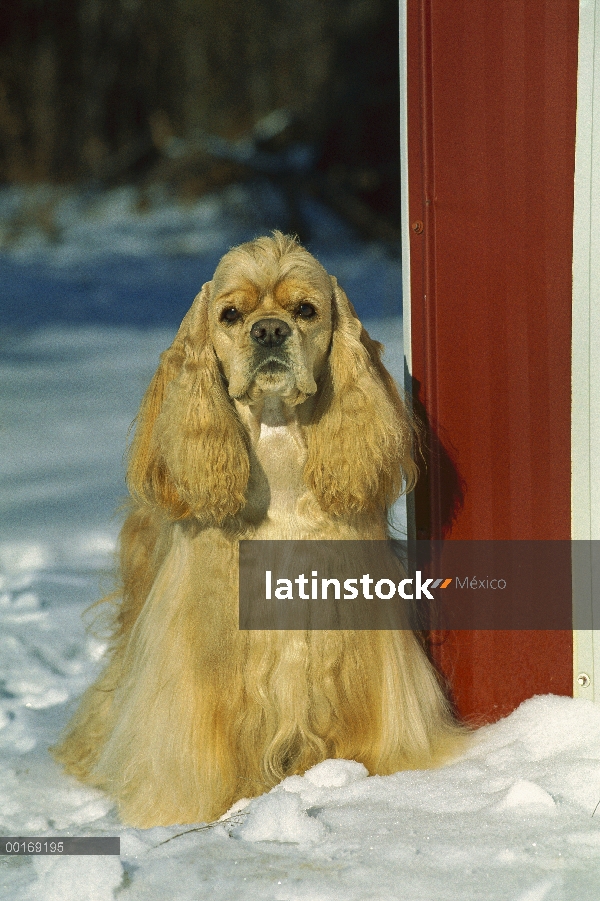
point(492, 106)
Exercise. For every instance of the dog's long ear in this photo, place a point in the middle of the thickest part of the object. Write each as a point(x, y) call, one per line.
point(359, 446)
point(190, 453)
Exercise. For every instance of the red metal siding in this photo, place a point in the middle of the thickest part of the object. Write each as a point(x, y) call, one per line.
point(492, 104)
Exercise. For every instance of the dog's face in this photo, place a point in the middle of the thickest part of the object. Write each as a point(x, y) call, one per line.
point(270, 322)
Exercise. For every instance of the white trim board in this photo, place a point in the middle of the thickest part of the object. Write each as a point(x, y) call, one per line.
point(405, 228)
point(404, 208)
point(585, 419)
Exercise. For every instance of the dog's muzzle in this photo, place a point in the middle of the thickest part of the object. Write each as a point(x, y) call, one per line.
point(276, 365)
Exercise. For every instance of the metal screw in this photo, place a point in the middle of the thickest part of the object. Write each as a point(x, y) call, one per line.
point(417, 227)
point(583, 679)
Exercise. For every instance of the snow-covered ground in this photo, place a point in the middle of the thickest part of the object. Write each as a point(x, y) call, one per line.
point(90, 301)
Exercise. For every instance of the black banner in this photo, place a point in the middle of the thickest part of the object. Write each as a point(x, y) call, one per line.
point(419, 585)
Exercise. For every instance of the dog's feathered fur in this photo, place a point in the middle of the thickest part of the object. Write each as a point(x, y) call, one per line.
point(306, 439)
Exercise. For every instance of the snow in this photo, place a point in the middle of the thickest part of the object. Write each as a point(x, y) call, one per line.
point(514, 819)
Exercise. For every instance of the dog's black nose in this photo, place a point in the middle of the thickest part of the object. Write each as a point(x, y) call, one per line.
point(270, 332)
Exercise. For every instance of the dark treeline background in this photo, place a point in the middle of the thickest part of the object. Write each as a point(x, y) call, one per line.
point(200, 93)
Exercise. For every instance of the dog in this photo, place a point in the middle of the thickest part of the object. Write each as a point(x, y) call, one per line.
point(271, 416)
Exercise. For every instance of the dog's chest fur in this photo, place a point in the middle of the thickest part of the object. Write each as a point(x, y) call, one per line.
point(281, 453)
point(279, 504)
point(277, 493)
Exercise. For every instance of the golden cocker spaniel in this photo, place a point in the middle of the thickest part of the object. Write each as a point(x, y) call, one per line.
point(270, 416)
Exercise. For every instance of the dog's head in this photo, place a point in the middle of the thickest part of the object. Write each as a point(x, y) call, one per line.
point(271, 322)
point(270, 319)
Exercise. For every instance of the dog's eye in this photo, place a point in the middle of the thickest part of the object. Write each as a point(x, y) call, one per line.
point(231, 314)
point(306, 311)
